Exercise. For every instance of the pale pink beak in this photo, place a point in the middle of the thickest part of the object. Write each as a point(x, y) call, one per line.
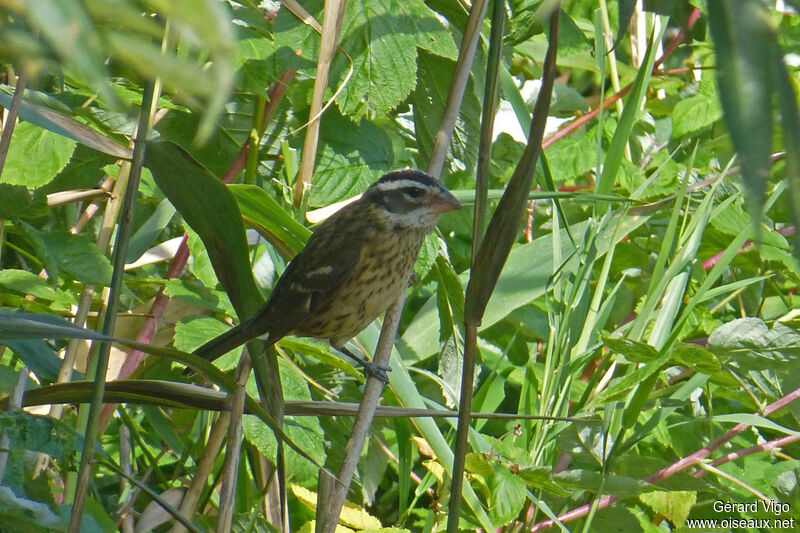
point(444, 202)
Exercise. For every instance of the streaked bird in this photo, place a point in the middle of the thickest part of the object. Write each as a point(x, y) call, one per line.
point(352, 268)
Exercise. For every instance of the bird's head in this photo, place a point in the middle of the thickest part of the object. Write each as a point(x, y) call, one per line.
point(410, 198)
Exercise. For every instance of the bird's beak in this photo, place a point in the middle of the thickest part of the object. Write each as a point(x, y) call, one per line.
point(444, 202)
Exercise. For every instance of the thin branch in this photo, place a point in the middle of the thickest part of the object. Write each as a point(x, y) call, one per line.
point(11, 118)
point(115, 290)
point(332, 503)
point(331, 27)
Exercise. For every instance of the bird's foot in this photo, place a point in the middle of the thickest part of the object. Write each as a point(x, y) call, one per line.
point(376, 371)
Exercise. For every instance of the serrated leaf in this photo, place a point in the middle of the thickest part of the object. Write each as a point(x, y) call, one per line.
point(429, 101)
point(305, 431)
point(427, 255)
point(508, 493)
point(572, 157)
point(17, 201)
point(622, 486)
point(254, 61)
point(451, 363)
point(44, 435)
point(382, 37)
point(693, 114)
point(750, 343)
point(79, 257)
point(675, 505)
point(351, 156)
point(476, 463)
point(524, 23)
point(35, 156)
point(541, 477)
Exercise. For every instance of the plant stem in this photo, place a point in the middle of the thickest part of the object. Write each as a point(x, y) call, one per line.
point(101, 366)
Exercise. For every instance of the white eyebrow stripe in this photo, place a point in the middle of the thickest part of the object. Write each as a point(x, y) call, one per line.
point(401, 184)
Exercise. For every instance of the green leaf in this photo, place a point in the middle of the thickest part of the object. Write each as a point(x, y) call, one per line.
point(44, 435)
point(147, 233)
point(450, 286)
point(451, 365)
point(675, 506)
point(572, 157)
point(756, 421)
point(630, 114)
point(382, 38)
point(524, 23)
point(541, 477)
point(65, 126)
point(17, 201)
point(526, 273)
point(196, 294)
point(476, 463)
point(351, 157)
point(696, 357)
point(751, 344)
point(26, 283)
point(35, 326)
point(78, 256)
point(43, 254)
point(254, 63)
point(37, 355)
point(305, 431)
point(508, 493)
point(625, 12)
point(193, 332)
point(634, 351)
point(588, 480)
point(209, 208)
point(35, 156)
point(83, 52)
point(429, 101)
point(693, 114)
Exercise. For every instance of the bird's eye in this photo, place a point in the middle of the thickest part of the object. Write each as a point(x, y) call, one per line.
point(413, 192)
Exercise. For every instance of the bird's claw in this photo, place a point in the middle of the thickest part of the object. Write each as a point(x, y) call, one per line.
point(377, 371)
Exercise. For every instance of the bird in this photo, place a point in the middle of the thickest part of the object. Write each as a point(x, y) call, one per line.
point(351, 270)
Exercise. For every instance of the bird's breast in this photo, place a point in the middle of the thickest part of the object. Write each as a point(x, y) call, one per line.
point(383, 270)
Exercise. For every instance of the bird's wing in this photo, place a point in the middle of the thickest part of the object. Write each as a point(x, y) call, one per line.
point(312, 278)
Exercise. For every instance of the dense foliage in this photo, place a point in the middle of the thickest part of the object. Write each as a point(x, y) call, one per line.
point(642, 337)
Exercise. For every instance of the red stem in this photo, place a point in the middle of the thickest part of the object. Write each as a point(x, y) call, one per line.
point(611, 100)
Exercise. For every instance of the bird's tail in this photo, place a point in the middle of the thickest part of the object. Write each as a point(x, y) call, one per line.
point(219, 346)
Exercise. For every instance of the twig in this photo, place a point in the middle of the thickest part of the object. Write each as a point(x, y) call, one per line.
point(466, 54)
point(14, 404)
point(215, 439)
point(332, 503)
point(331, 27)
point(230, 470)
point(101, 360)
point(11, 118)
